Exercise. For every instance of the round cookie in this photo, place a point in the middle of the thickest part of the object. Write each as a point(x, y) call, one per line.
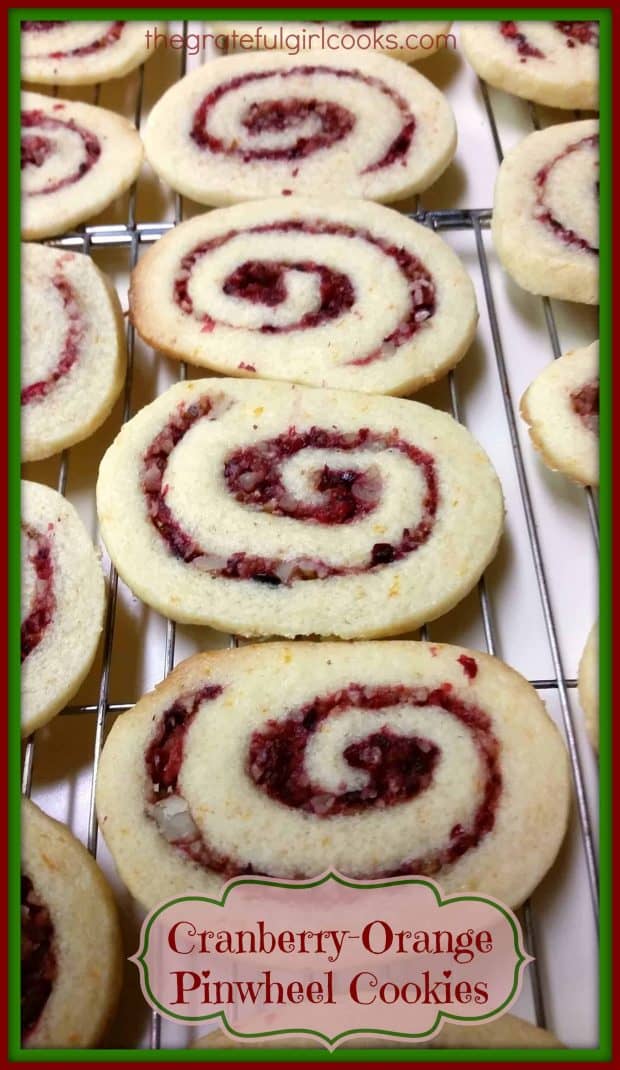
point(552, 63)
point(310, 306)
point(63, 599)
point(287, 759)
point(588, 686)
point(319, 124)
point(545, 217)
point(409, 41)
point(75, 160)
point(270, 509)
point(505, 1032)
point(73, 349)
point(561, 407)
point(71, 942)
point(83, 53)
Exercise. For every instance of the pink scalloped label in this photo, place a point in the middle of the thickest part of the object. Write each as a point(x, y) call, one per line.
point(331, 958)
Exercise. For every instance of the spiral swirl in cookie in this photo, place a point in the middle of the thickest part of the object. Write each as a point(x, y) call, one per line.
point(83, 53)
point(296, 290)
point(575, 168)
point(38, 558)
point(38, 957)
point(287, 508)
point(62, 595)
point(254, 125)
point(545, 216)
point(551, 63)
point(75, 159)
point(289, 759)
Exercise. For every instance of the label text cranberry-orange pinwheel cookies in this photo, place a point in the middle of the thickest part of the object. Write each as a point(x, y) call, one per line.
point(320, 124)
point(346, 294)
point(75, 159)
point(372, 759)
point(268, 508)
point(545, 216)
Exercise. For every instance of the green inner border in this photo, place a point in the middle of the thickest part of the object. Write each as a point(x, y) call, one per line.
point(603, 1052)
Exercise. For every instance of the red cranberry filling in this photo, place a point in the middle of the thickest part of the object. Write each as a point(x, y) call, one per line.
point(43, 602)
point(544, 214)
point(579, 33)
point(398, 768)
point(334, 121)
point(38, 960)
point(252, 474)
point(110, 37)
point(510, 32)
point(263, 282)
point(34, 152)
point(39, 27)
point(585, 403)
point(70, 350)
point(470, 665)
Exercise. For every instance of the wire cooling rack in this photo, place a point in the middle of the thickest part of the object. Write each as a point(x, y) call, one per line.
point(533, 603)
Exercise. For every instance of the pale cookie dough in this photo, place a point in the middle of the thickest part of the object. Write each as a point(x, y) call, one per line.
point(63, 597)
point(552, 63)
point(72, 954)
point(588, 686)
point(73, 349)
point(545, 217)
point(505, 1032)
point(373, 759)
point(83, 53)
point(271, 509)
point(75, 160)
point(561, 407)
point(321, 124)
point(349, 295)
point(409, 41)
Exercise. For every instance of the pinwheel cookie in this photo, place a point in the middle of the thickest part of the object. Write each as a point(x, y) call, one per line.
point(270, 509)
point(409, 41)
point(71, 951)
point(83, 53)
point(73, 349)
point(545, 219)
point(505, 1032)
point(62, 604)
point(553, 63)
point(75, 159)
point(321, 124)
point(288, 759)
point(588, 685)
point(349, 295)
point(561, 407)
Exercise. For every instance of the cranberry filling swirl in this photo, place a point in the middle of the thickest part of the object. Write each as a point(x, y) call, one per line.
point(98, 43)
point(46, 139)
point(545, 211)
point(69, 353)
point(43, 601)
point(265, 283)
point(574, 34)
point(585, 404)
point(391, 767)
point(38, 958)
point(293, 127)
point(343, 493)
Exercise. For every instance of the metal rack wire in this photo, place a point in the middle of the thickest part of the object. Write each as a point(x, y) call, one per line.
point(130, 236)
